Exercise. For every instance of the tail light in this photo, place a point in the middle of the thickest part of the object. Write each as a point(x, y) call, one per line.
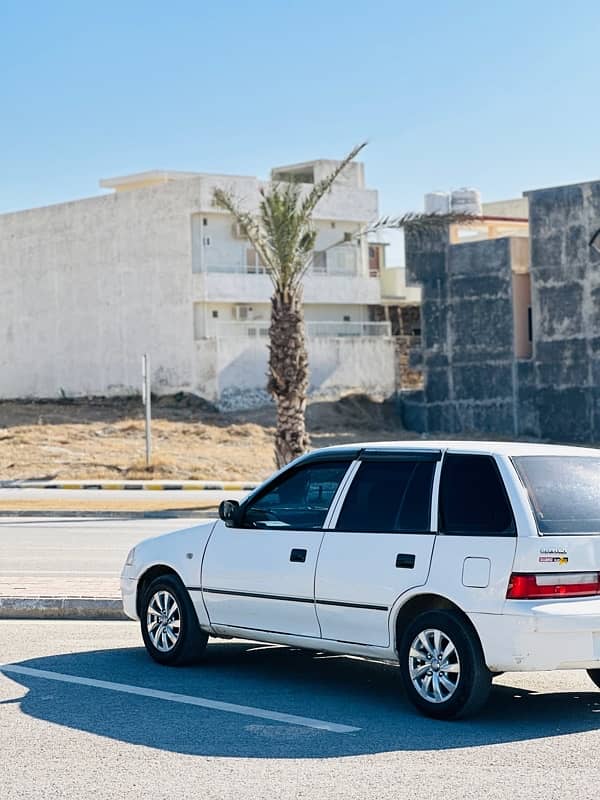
point(529, 586)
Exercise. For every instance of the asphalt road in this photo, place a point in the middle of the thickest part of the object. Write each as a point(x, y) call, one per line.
point(146, 731)
point(75, 546)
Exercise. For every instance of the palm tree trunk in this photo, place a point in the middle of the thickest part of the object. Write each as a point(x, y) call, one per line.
point(288, 374)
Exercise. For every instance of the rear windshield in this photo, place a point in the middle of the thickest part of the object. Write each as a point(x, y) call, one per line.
point(564, 492)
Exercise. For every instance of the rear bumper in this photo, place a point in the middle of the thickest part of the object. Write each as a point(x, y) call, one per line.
point(541, 636)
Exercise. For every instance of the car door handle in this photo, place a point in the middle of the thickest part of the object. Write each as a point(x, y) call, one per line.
point(405, 560)
point(298, 555)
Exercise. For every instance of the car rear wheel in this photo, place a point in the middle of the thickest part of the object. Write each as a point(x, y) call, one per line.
point(169, 623)
point(442, 666)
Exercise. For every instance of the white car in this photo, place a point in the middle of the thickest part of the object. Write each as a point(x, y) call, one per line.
point(457, 560)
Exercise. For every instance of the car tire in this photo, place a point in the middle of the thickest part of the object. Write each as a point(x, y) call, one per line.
point(442, 666)
point(170, 628)
point(594, 676)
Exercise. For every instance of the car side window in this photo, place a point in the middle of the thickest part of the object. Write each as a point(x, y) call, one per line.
point(473, 499)
point(300, 499)
point(389, 496)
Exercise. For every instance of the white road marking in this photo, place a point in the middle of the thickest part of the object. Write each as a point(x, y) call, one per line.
point(172, 697)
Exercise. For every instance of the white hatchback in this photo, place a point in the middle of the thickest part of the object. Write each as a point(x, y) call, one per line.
point(457, 560)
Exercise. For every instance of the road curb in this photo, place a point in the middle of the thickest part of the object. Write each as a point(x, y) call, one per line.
point(164, 486)
point(56, 608)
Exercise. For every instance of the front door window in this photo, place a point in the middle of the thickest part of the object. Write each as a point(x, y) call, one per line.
point(300, 500)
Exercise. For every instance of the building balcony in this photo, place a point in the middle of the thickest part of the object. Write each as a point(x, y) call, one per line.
point(259, 329)
point(394, 288)
point(235, 284)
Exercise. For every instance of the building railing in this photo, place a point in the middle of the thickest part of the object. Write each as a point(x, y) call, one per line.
point(237, 269)
point(348, 329)
point(259, 329)
point(342, 260)
point(345, 270)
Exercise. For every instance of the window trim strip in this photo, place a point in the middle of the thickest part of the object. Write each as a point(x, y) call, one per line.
point(388, 454)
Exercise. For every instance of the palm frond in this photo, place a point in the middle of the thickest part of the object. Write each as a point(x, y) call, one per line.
point(420, 222)
point(322, 187)
point(282, 232)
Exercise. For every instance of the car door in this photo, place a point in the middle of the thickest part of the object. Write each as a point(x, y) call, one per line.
point(380, 547)
point(474, 553)
point(260, 574)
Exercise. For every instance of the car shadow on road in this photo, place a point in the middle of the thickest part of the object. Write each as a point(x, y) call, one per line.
point(339, 689)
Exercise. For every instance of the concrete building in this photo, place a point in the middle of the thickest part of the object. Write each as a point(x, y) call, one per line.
point(511, 320)
point(86, 287)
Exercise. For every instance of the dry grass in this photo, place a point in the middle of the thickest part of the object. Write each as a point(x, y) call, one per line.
point(100, 438)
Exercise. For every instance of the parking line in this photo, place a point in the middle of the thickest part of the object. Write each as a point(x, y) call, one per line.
point(173, 697)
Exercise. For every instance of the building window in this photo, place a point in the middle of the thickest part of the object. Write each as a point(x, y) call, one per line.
point(346, 318)
point(529, 325)
point(320, 262)
point(375, 260)
point(254, 263)
point(215, 314)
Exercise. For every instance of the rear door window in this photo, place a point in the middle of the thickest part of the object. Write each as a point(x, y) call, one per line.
point(473, 499)
point(388, 497)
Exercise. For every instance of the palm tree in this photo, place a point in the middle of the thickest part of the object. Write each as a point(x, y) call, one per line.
point(283, 235)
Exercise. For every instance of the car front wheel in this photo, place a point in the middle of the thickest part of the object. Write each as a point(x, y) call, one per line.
point(442, 666)
point(169, 623)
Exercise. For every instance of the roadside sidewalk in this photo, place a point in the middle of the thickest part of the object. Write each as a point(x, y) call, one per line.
point(60, 597)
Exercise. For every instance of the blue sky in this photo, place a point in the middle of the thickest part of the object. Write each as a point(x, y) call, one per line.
point(498, 95)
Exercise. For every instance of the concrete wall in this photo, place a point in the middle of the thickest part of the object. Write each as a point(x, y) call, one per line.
point(87, 287)
point(238, 375)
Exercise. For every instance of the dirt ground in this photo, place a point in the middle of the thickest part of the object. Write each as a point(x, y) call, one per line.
point(104, 438)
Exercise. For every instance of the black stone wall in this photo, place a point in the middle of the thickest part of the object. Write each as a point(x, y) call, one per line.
point(467, 335)
point(472, 381)
point(565, 274)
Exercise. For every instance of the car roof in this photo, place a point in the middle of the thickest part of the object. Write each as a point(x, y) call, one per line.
point(467, 446)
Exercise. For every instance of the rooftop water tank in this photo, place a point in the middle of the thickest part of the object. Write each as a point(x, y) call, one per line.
point(437, 203)
point(466, 201)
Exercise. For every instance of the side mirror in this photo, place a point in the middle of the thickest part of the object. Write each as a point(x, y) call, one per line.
point(229, 512)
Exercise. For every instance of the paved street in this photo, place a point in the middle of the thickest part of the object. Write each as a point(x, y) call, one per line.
point(71, 556)
point(146, 731)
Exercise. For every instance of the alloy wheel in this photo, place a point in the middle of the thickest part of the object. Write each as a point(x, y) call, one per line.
point(163, 621)
point(434, 665)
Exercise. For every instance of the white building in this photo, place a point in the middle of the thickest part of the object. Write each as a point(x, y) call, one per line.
point(86, 287)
